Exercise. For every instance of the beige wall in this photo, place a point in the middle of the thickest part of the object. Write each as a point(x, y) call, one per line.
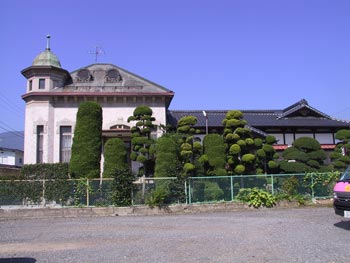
point(52, 116)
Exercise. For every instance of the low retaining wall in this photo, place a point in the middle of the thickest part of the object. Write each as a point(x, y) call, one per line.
point(131, 211)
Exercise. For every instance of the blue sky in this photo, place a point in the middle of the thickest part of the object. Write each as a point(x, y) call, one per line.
point(214, 54)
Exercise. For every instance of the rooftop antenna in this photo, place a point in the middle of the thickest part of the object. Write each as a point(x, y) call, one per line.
point(48, 42)
point(97, 52)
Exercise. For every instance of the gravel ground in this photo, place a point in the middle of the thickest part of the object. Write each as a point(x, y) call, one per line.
point(264, 235)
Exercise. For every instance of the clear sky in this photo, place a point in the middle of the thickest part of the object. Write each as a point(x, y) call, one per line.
point(214, 54)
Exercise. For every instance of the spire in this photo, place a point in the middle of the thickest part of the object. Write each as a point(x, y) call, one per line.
point(47, 57)
point(48, 42)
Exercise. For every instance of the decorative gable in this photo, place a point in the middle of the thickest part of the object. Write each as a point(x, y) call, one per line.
point(302, 109)
point(111, 78)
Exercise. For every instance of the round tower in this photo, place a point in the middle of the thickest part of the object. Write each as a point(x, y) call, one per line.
point(45, 73)
point(44, 77)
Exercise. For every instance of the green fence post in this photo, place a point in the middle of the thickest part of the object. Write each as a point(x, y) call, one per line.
point(186, 192)
point(87, 192)
point(312, 187)
point(189, 191)
point(231, 188)
point(44, 200)
point(272, 186)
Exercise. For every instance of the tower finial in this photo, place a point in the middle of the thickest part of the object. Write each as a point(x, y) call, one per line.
point(48, 42)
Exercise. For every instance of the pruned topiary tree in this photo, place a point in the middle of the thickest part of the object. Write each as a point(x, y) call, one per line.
point(305, 155)
point(240, 145)
point(190, 146)
point(266, 155)
point(142, 143)
point(87, 141)
point(341, 155)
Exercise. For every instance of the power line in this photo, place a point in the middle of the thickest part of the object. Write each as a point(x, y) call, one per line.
point(10, 103)
point(13, 132)
point(10, 129)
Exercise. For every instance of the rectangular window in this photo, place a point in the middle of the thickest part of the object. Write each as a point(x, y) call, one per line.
point(324, 138)
point(289, 138)
point(39, 143)
point(30, 85)
point(299, 135)
point(65, 143)
point(41, 83)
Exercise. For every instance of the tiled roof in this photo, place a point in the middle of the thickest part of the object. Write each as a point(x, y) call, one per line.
point(265, 118)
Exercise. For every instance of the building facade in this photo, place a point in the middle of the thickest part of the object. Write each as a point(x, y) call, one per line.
point(53, 96)
point(11, 149)
point(287, 125)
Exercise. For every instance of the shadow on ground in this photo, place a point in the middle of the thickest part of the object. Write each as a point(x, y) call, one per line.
point(17, 260)
point(342, 224)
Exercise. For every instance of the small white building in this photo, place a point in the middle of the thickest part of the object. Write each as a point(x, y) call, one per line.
point(53, 96)
point(11, 149)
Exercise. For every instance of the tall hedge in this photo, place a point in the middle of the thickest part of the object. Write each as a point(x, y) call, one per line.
point(166, 159)
point(214, 150)
point(115, 156)
point(45, 171)
point(87, 141)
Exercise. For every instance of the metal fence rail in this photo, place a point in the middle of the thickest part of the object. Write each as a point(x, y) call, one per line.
point(96, 192)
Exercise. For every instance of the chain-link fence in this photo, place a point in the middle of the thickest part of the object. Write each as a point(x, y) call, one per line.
point(219, 189)
point(97, 192)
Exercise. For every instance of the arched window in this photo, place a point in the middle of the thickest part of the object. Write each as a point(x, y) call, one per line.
point(84, 75)
point(113, 75)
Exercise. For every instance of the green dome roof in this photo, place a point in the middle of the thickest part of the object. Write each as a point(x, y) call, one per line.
point(47, 58)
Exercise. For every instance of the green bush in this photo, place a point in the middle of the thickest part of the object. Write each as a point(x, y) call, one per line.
point(256, 197)
point(243, 194)
point(114, 156)
point(235, 149)
point(248, 158)
point(157, 197)
point(122, 186)
point(290, 185)
point(307, 144)
point(56, 187)
point(259, 198)
point(343, 135)
point(212, 191)
point(270, 139)
point(166, 159)
point(239, 169)
point(214, 149)
point(87, 141)
point(45, 171)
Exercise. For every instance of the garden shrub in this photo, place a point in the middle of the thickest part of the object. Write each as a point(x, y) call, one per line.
point(87, 141)
point(256, 197)
point(122, 186)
